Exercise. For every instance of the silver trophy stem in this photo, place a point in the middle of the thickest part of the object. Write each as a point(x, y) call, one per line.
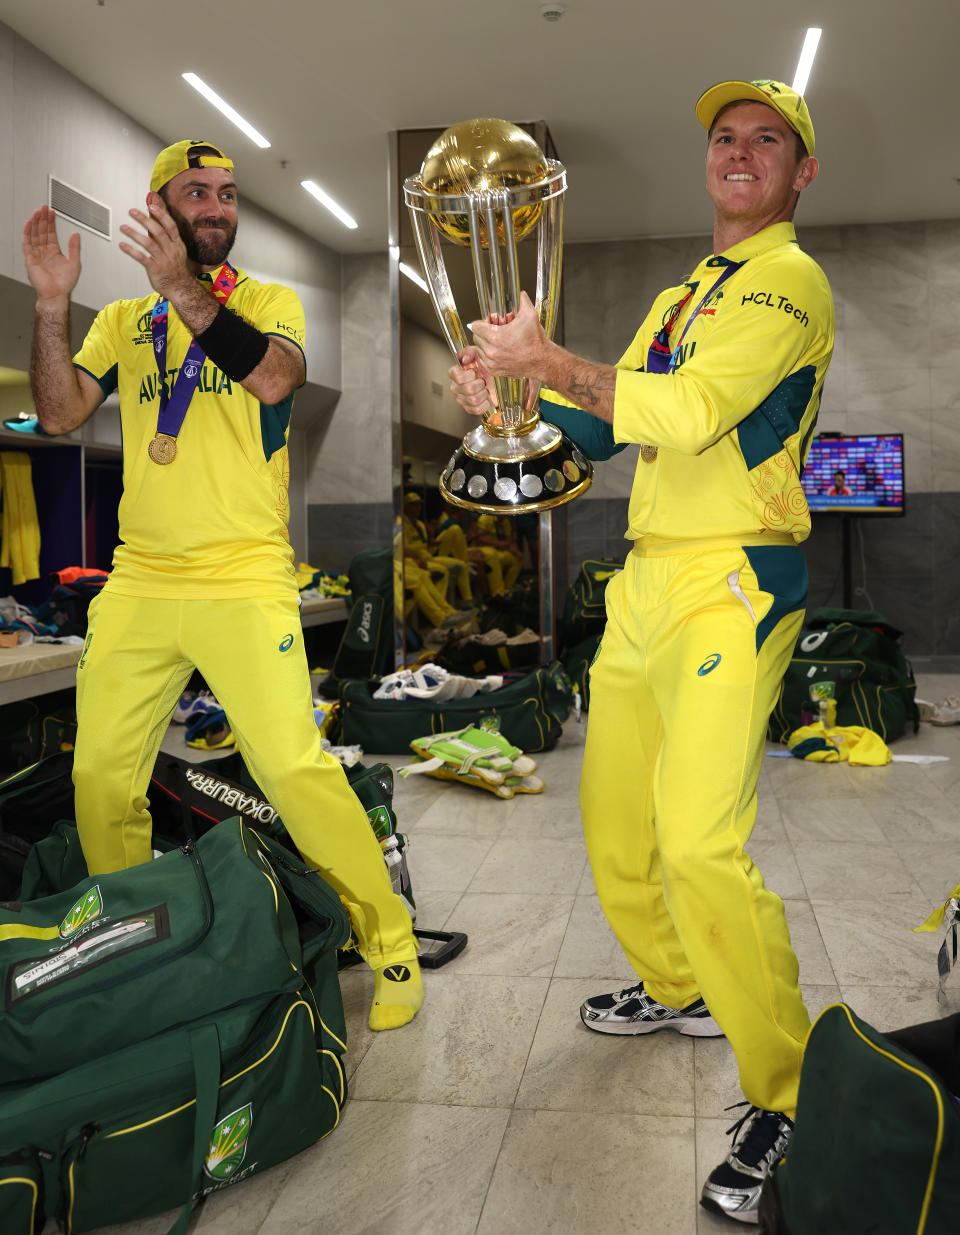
point(435, 271)
point(476, 252)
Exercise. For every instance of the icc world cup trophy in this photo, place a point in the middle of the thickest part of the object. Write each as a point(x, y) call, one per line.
point(486, 184)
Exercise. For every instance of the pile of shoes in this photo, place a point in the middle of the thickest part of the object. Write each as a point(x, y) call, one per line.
point(479, 756)
point(946, 712)
point(206, 721)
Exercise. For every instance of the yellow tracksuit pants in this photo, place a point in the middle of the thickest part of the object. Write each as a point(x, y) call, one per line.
point(503, 567)
point(452, 544)
point(424, 593)
point(137, 660)
point(695, 646)
point(450, 566)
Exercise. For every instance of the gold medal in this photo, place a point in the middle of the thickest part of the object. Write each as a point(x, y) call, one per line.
point(163, 448)
point(648, 453)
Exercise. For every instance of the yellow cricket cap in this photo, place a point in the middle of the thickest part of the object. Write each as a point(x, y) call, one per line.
point(181, 156)
point(775, 94)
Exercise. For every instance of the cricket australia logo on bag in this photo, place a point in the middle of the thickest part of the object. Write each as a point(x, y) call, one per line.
point(379, 818)
point(228, 1146)
point(88, 907)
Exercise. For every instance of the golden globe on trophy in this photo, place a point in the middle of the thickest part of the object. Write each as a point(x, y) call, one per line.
point(487, 185)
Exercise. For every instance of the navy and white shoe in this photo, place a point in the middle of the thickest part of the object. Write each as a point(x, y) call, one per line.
point(760, 1139)
point(633, 1011)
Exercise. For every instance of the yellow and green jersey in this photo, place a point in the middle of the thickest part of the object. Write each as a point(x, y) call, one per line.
point(415, 537)
point(213, 523)
point(499, 526)
point(733, 419)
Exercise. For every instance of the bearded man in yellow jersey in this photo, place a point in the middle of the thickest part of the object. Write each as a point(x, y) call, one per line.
point(721, 388)
point(203, 577)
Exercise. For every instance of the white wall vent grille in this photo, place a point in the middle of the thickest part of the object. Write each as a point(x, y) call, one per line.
point(85, 211)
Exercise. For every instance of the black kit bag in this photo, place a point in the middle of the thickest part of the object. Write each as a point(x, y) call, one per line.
point(531, 710)
point(188, 798)
point(366, 648)
point(471, 658)
point(584, 607)
point(852, 656)
point(876, 1147)
point(193, 796)
point(513, 611)
point(32, 729)
point(31, 802)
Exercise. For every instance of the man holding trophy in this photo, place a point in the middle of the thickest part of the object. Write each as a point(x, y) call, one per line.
point(721, 388)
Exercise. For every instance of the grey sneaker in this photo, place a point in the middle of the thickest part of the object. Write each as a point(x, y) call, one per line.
point(633, 1011)
point(733, 1188)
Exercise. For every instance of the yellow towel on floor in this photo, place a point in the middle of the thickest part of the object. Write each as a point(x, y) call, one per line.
point(852, 743)
point(19, 529)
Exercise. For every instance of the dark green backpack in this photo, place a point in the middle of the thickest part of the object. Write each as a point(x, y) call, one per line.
point(584, 607)
point(852, 656)
point(876, 1147)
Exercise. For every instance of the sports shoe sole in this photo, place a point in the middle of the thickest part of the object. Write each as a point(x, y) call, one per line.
point(690, 1026)
point(746, 1216)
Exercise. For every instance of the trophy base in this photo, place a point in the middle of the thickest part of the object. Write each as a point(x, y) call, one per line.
point(515, 474)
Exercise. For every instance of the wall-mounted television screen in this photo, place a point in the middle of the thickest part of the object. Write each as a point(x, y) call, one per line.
point(860, 475)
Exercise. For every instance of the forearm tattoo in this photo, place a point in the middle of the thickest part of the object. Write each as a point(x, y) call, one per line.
point(588, 386)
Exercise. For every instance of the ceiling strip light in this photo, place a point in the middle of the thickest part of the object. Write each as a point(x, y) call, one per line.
point(805, 63)
point(326, 200)
point(221, 105)
point(414, 277)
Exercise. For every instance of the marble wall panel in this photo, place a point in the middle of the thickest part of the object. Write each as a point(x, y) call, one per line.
point(337, 531)
point(945, 388)
point(943, 256)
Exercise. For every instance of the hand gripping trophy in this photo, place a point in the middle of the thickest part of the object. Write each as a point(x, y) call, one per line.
point(486, 184)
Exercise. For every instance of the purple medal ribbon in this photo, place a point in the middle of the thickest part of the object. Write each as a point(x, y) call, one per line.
point(173, 407)
point(660, 357)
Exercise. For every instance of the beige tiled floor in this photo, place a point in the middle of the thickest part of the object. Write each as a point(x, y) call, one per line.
point(496, 1111)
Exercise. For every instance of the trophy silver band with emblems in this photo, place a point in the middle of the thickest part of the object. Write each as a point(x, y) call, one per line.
point(486, 184)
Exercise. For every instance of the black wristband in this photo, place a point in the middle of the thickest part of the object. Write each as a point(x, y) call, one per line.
point(234, 346)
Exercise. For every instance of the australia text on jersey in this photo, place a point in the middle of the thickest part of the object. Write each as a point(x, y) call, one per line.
point(211, 381)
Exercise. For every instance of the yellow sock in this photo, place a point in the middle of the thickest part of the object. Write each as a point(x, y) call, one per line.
point(397, 995)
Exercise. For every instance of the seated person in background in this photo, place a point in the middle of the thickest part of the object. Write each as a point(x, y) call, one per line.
point(414, 588)
point(839, 487)
point(447, 534)
point(426, 553)
point(494, 536)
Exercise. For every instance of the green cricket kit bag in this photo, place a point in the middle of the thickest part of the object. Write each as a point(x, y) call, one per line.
point(158, 1039)
point(876, 1147)
point(854, 657)
point(577, 662)
point(531, 711)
